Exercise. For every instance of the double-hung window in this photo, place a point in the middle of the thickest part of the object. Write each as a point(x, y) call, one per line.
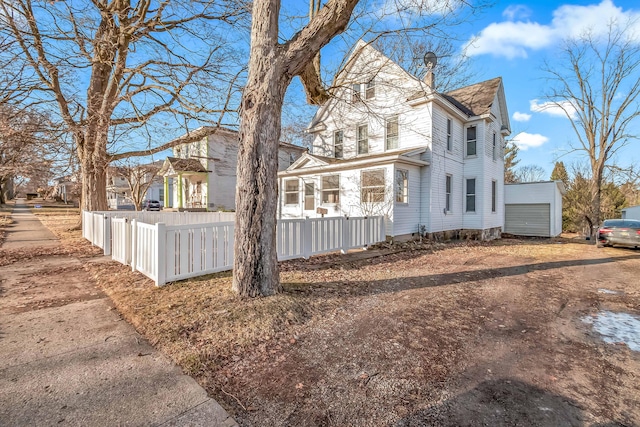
point(449, 135)
point(363, 139)
point(471, 195)
point(338, 144)
point(402, 186)
point(392, 133)
point(493, 195)
point(355, 92)
point(471, 141)
point(494, 148)
point(372, 186)
point(291, 191)
point(370, 91)
point(447, 190)
point(331, 189)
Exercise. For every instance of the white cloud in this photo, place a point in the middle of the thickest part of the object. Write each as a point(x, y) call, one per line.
point(521, 117)
point(513, 39)
point(525, 140)
point(516, 11)
point(559, 109)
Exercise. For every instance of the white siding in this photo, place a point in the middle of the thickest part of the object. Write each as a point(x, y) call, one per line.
point(392, 88)
point(474, 167)
point(444, 163)
point(406, 216)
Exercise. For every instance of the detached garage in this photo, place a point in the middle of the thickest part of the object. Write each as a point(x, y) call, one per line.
point(632, 212)
point(533, 208)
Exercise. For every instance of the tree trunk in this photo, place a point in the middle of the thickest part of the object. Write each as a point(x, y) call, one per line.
point(92, 154)
point(255, 269)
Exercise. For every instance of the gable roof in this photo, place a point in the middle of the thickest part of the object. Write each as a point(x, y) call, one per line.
point(183, 165)
point(475, 100)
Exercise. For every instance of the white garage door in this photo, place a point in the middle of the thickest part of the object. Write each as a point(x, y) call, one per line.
point(527, 219)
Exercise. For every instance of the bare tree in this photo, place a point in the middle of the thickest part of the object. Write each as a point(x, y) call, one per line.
point(120, 70)
point(595, 83)
point(139, 178)
point(24, 138)
point(530, 173)
point(273, 63)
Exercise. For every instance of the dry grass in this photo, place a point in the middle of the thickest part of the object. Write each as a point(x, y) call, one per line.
point(5, 219)
point(383, 337)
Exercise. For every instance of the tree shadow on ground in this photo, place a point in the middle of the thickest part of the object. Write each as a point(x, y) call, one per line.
point(444, 279)
point(503, 402)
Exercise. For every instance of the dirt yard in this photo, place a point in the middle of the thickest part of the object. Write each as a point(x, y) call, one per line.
point(461, 334)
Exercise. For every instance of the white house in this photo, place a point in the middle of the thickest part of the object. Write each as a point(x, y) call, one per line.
point(201, 175)
point(632, 212)
point(388, 143)
point(534, 208)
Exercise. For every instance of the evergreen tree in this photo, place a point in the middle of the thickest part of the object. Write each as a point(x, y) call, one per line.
point(510, 161)
point(560, 173)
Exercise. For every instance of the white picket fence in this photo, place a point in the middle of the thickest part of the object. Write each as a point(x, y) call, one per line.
point(95, 230)
point(167, 253)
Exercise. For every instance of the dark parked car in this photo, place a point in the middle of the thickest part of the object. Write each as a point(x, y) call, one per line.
point(623, 232)
point(151, 205)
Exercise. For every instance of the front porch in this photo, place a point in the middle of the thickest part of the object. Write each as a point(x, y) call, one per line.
point(188, 179)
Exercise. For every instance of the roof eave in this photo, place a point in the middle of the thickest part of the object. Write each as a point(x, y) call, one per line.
point(363, 162)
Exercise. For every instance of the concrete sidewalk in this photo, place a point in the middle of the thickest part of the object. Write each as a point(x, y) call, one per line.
point(68, 358)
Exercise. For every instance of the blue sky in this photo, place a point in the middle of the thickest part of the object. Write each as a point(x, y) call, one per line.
point(512, 40)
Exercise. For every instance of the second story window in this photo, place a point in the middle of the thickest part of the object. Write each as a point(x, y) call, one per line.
point(471, 141)
point(363, 139)
point(338, 144)
point(494, 148)
point(449, 135)
point(392, 133)
point(355, 92)
point(370, 91)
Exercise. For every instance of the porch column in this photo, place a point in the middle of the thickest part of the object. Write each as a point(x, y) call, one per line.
point(179, 191)
point(166, 192)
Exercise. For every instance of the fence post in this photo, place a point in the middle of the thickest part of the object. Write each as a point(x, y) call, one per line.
point(346, 235)
point(383, 232)
point(161, 244)
point(107, 235)
point(307, 238)
point(134, 243)
point(127, 241)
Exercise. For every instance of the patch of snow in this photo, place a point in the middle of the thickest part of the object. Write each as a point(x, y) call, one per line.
point(617, 327)
point(608, 291)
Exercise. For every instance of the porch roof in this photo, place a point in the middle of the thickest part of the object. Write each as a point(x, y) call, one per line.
point(173, 166)
point(327, 164)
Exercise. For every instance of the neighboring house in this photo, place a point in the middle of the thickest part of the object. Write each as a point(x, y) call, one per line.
point(119, 196)
point(534, 208)
point(632, 212)
point(389, 144)
point(118, 191)
point(201, 175)
point(65, 188)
